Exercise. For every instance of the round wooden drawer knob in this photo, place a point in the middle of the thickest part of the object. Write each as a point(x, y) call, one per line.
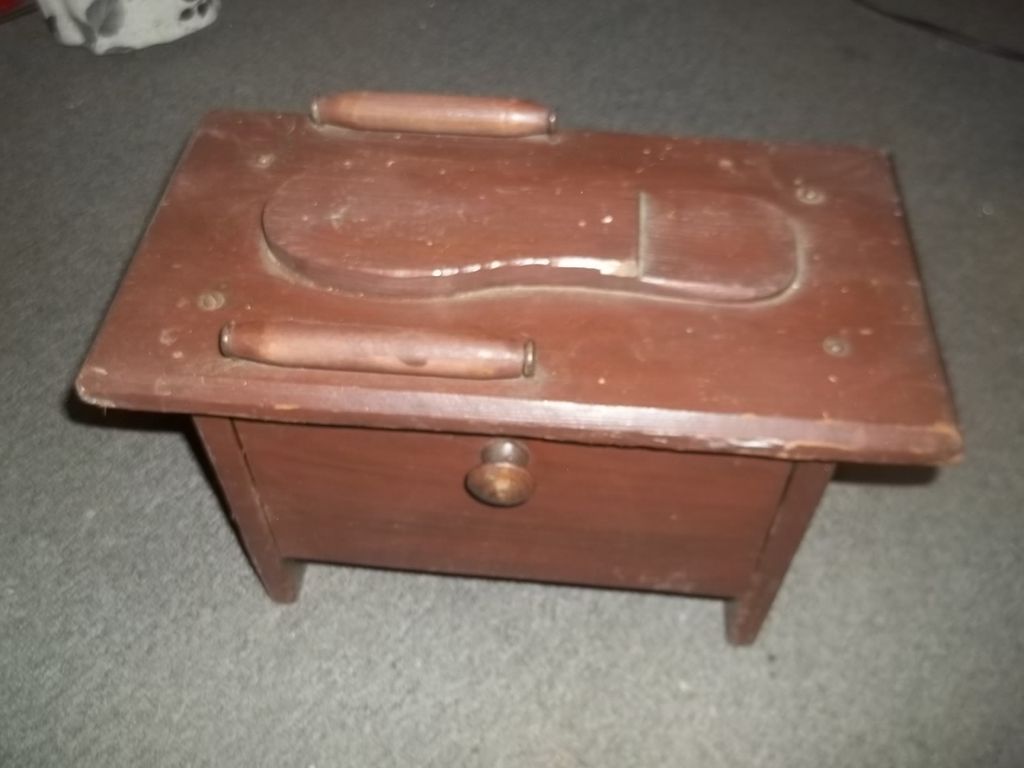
point(501, 479)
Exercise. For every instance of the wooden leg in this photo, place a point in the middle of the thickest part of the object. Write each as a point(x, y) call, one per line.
point(281, 578)
point(745, 614)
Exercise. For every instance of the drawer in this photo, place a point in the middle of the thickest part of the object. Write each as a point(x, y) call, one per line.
point(598, 515)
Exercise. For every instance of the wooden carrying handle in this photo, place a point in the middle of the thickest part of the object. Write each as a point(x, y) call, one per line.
point(376, 349)
point(433, 113)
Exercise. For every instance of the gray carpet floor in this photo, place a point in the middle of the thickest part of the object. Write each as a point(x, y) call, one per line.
point(132, 631)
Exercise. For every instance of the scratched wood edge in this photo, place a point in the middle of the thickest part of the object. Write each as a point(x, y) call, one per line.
point(281, 578)
point(806, 438)
point(745, 615)
point(743, 434)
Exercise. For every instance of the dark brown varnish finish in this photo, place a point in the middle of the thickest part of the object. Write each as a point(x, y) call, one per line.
point(626, 361)
point(281, 578)
point(639, 518)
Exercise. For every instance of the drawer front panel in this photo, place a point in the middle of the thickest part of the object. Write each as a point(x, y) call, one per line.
point(618, 517)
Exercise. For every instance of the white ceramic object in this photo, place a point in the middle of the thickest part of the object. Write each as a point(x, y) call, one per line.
point(106, 26)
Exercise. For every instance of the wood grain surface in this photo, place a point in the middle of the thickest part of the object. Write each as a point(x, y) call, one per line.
point(745, 615)
point(281, 578)
point(422, 234)
point(618, 517)
point(841, 365)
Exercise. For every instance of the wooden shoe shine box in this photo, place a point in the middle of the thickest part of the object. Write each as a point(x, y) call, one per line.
point(433, 333)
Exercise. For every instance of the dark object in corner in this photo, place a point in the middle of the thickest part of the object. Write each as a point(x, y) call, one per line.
point(12, 9)
point(953, 35)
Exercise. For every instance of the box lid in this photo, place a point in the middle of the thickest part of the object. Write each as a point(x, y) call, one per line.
point(720, 296)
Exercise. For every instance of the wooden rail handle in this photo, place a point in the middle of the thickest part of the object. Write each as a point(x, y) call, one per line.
point(433, 113)
point(376, 349)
